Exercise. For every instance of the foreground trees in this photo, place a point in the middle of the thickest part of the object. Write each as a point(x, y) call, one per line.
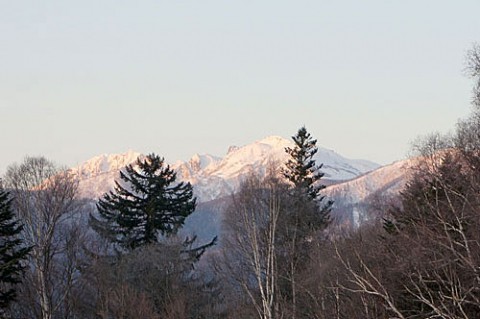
point(153, 274)
point(250, 259)
point(153, 281)
point(421, 262)
point(424, 260)
point(12, 252)
point(430, 260)
point(425, 263)
point(45, 201)
point(274, 222)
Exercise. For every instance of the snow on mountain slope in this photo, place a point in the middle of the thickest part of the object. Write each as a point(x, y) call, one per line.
point(105, 163)
point(98, 174)
point(214, 177)
point(335, 166)
point(352, 198)
point(223, 176)
point(389, 179)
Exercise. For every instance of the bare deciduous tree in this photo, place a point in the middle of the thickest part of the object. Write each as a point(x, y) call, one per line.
point(473, 70)
point(45, 201)
point(251, 248)
point(427, 263)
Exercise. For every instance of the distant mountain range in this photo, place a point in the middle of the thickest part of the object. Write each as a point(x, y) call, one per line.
point(351, 183)
point(215, 177)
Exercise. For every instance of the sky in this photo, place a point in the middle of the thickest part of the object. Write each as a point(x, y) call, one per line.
point(84, 78)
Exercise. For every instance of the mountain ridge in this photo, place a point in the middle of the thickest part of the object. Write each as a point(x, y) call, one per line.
point(351, 184)
point(214, 177)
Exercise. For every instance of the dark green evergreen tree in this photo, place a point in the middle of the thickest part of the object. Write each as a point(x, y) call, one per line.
point(303, 173)
point(147, 204)
point(12, 251)
point(302, 220)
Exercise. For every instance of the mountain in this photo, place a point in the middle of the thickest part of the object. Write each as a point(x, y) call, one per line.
point(214, 177)
point(389, 179)
point(354, 200)
point(352, 184)
point(217, 177)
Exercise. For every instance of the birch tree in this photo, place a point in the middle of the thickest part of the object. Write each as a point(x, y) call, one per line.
point(252, 250)
point(45, 201)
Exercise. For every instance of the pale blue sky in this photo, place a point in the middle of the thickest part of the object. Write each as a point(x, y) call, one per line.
point(83, 78)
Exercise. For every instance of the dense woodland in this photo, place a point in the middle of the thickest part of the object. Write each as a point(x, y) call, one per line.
point(282, 254)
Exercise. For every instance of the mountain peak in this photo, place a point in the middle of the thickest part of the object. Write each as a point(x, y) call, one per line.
point(106, 163)
point(232, 149)
point(275, 140)
point(199, 162)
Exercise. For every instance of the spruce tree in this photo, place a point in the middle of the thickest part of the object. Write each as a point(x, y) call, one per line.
point(304, 175)
point(12, 251)
point(304, 217)
point(147, 204)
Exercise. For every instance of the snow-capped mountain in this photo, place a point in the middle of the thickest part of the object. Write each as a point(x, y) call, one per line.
point(352, 184)
point(215, 177)
point(220, 177)
point(98, 174)
point(389, 179)
point(356, 199)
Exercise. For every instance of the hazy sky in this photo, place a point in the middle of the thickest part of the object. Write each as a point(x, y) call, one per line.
point(83, 78)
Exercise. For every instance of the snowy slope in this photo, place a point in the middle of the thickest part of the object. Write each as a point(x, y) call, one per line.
point(353, 198)
point(98, 174)
point(214, 177)
point(221, 177)
point(389, 179)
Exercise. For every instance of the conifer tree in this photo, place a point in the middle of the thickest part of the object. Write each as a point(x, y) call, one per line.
point(147, 204)
point(303, 219)
point(303, 173)
point(12, 251)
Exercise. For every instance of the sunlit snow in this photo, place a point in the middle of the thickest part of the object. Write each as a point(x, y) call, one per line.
point(214, 177)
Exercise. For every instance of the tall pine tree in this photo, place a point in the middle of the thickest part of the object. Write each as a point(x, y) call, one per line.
point(12, 251)
point(147, 204)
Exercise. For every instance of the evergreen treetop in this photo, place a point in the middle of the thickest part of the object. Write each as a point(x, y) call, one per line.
point(304, 175)
point(301, 169)
point(147, 204)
